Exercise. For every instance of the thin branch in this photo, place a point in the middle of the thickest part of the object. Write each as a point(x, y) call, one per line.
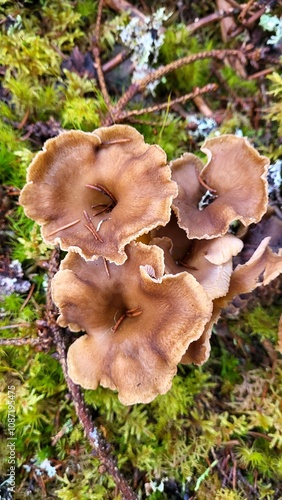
point(97, 59)
point(18, 342)
point(28, 296)
point(124, 6)
point(245, 9)
point(260, 74)
point(101, 449)
point(115, 61)
point(235, 4)
point(164, 70)
point(211, 18)
point(210, 87)
point(202, 105)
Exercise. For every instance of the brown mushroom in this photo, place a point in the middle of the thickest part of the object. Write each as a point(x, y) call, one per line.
point(209, 261)
point(263, 267)
point(95, 192)
point(260, 269)
point(180, 242)
point(235, 176)
point(139, 323)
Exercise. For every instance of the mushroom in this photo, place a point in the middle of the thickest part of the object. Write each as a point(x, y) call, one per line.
point(95, 192)
point(235, 179)
point(180, 244)
point(139, 322)
point(260, 269)
point(209, 261)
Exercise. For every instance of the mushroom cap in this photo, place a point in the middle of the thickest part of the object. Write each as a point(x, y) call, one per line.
point(131, 190)
point(263, 267)
point(178, 237)
point(139, 323)
point(198, 351)
point(209, 261)
point(260, 269)
point(236, 172)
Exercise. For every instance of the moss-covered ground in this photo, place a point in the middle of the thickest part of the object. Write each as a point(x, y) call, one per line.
point(217, 434)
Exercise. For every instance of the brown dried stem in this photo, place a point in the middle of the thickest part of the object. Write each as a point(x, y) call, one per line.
point(124, 6)
point(159, 73)
point(158, 107)
point(115, 61)
point(97, 59)
point(101, 449)
point(211, 18)
point(18, 342)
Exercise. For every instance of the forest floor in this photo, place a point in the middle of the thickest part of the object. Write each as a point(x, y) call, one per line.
point(178, 74)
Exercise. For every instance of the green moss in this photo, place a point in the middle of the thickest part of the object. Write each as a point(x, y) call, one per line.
point(228, 408)
point(179, 43)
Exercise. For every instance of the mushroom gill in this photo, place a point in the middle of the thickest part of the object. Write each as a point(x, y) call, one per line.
point(139, 322)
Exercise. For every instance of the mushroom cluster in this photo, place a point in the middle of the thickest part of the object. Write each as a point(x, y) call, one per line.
point(150, 250)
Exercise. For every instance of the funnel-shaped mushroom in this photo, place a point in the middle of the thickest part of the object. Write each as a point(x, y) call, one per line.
point(236, 177)
point(139, 323)
point(95, 192)
point(261, 268)
point(209, 261)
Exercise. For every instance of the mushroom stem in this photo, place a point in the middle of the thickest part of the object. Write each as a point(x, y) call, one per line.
point(90, 226)
point(130, 313)
point(63, 227)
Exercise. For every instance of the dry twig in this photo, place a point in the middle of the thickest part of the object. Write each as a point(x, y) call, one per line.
point(141, 85)
point(158, 107)
point(96, 55)
point(18, 342)
point(211, 18)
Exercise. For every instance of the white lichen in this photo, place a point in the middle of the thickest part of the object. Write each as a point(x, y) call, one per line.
point(272, 23)
point(274, 176)
point(11, 280)
point(203, 126)
point(47, 467)
point(94, 437)
point(144, 39)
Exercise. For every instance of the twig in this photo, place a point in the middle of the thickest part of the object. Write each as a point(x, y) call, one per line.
point(260, 74)
point(159, 73)
point(28, 297)
point(215, 16)
point(115, 61)
point(245, 9)
point(210, 87)
point(149, 123)
point(123, 6)
point(18, 342)
point(259, 434)
point(202, 105)
point(101, 449)
point(96, 55)
point(24, 120)
point(247, 24)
